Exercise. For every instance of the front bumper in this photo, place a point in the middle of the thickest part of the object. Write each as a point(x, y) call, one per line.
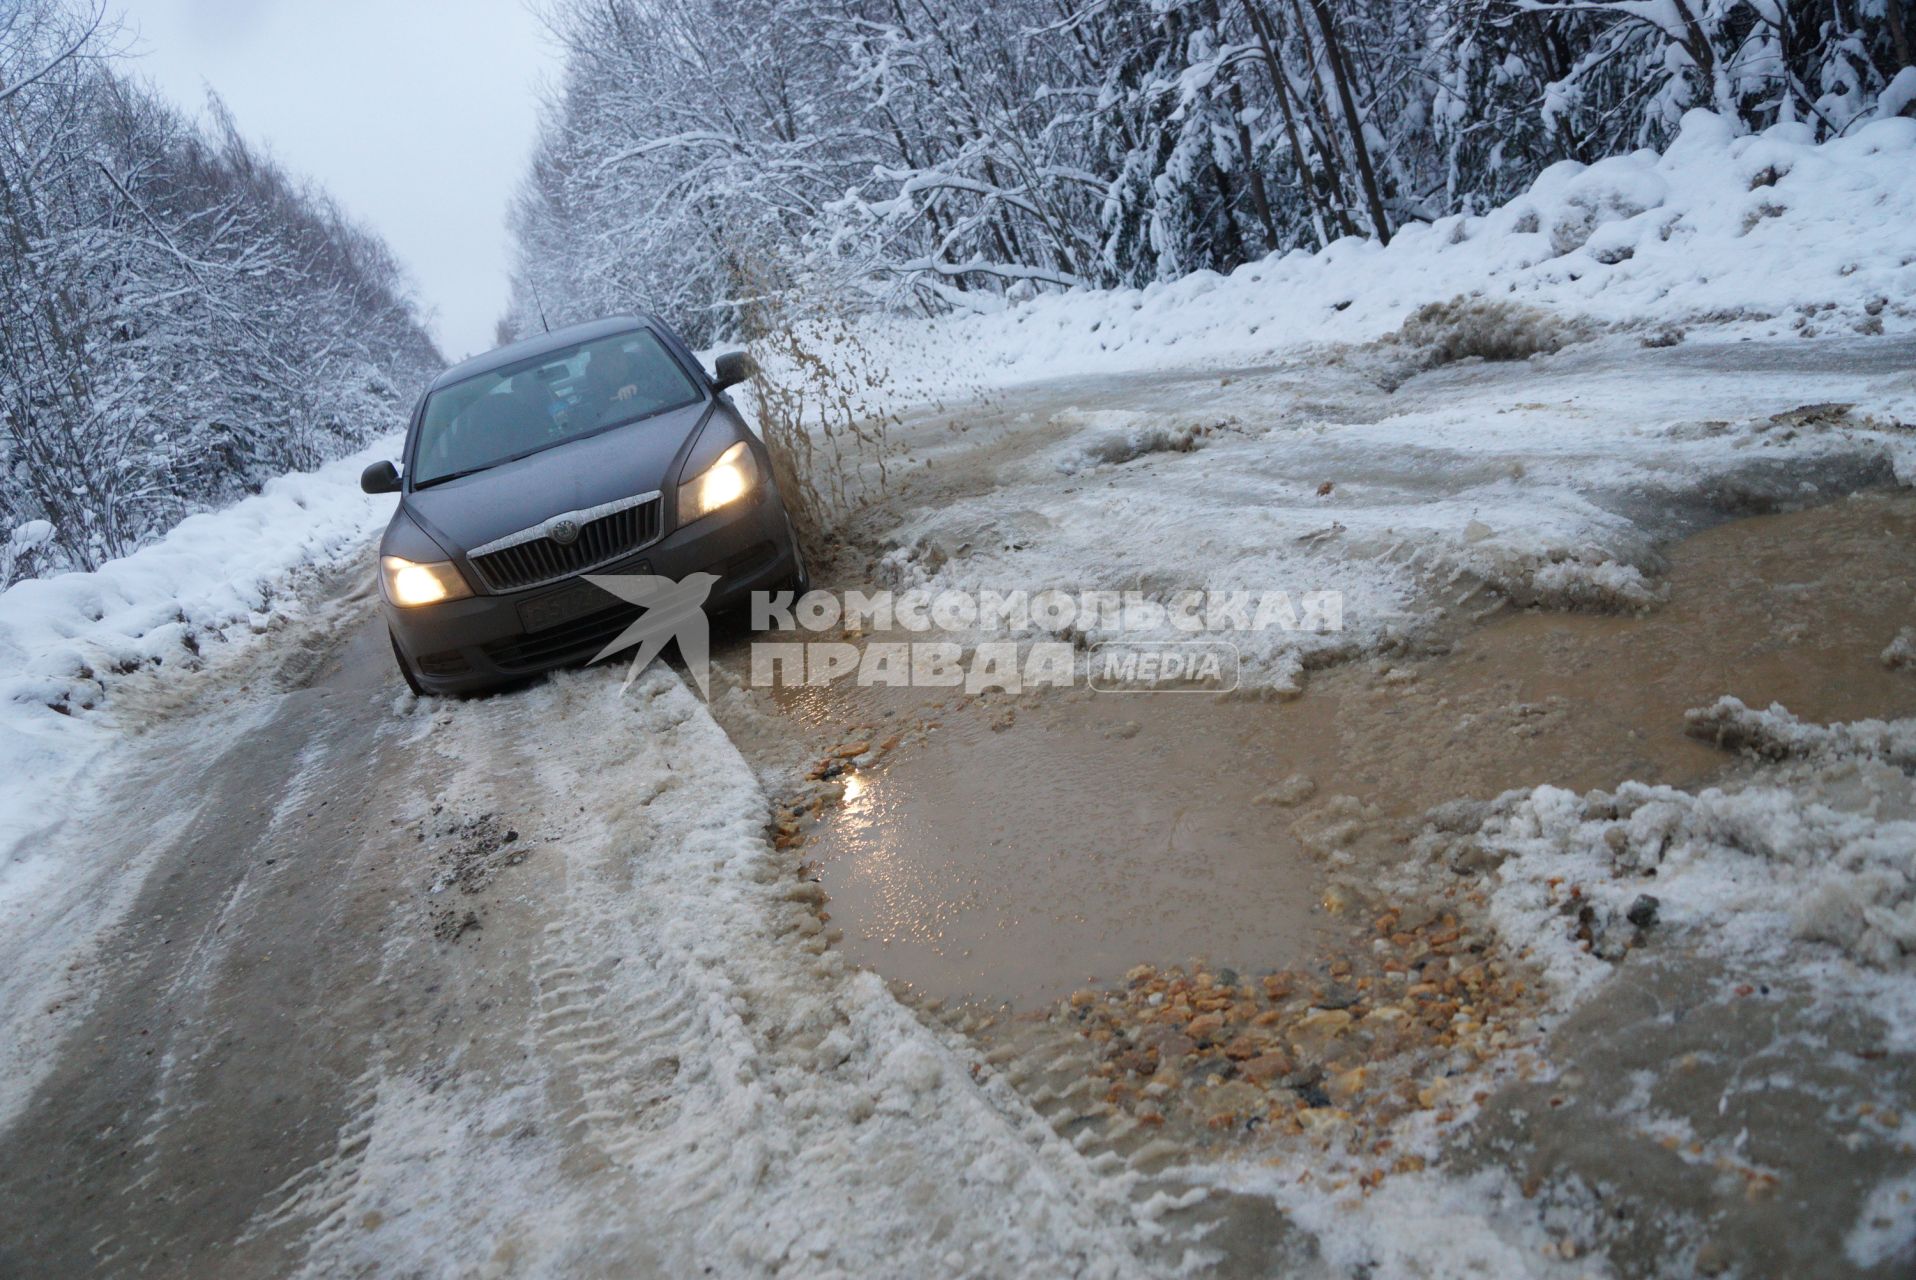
point(484, 641)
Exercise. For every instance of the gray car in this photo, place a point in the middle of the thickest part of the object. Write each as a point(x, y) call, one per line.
point(598, 448)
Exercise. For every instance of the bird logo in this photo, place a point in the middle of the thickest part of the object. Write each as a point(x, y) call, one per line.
point(674, 610)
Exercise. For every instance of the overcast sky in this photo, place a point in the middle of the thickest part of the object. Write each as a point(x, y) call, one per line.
point(418, 115)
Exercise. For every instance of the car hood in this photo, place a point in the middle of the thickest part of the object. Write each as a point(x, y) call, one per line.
point(637, 458)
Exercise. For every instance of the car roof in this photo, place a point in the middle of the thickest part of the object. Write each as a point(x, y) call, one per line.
point(539, 344)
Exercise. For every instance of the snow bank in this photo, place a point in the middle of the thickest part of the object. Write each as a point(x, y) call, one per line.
point(215, 578)
point(62, 639)
point(1770, 233)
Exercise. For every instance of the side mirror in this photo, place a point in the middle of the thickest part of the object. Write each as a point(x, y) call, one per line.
point(381, 477)
point(733, 368)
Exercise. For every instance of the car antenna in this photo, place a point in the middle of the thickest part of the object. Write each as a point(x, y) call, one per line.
point(542, 308)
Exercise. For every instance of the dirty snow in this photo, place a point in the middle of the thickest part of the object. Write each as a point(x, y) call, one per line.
point(1110, 437)
point(1548, 482)
point(1670, 340)
point(1901, 652)
point(773, 1107)
point(1419, 1224)
point(1794, 879)
point(1886, 1227)
point(1823, 851)
point(214, 585)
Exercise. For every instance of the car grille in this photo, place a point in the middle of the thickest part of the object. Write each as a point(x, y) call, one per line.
point(529, 558)
point(580, 638)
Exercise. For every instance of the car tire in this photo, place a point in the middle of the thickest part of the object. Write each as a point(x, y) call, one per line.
point(801, 580)
point(405, 668)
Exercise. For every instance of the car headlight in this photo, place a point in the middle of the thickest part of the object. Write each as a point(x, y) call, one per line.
point(722, 483)
point(408, 584)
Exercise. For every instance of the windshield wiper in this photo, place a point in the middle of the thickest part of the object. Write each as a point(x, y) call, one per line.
point(451, 475)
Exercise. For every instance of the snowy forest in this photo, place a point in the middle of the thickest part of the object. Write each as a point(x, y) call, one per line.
point(930, 154)
point(180, 320)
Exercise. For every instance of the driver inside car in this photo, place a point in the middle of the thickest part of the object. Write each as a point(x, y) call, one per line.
point(611, 379)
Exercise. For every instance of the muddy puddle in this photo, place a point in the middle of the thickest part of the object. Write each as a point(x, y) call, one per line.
point(1017, 849)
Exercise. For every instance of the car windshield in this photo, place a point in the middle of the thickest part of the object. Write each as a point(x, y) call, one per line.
point(549, 399)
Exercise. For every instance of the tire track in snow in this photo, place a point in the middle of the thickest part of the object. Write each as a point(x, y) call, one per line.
point(719, 1080)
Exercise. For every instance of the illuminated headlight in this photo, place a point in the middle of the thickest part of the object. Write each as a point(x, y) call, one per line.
point(408, 584)
point(722, 483)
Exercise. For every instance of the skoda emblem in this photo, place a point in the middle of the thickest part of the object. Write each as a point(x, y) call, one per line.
point(564, 531)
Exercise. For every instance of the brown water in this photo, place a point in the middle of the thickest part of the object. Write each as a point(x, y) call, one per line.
point(1020, 862)
point(1016, 849)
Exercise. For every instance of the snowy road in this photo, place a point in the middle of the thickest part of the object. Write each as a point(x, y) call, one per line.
point(503, 985)
point(518, 986)
point(253, 989)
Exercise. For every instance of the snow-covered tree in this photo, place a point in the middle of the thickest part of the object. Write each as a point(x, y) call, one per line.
point(179, 320)
point(938, 153)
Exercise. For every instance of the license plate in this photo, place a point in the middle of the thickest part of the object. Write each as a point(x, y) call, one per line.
point(559, 607)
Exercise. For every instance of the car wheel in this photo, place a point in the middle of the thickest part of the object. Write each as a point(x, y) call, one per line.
point(801, 580)
point(405, 669)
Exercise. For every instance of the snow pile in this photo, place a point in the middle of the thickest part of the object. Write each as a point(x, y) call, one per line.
point(1770, 232)
point(1463, 328)
point(218, 577)
point(1603, 585)
point(1777, 735)
point(1600, 567)
point(1823, 852)
point(1901, 652)
point(1112, 437)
